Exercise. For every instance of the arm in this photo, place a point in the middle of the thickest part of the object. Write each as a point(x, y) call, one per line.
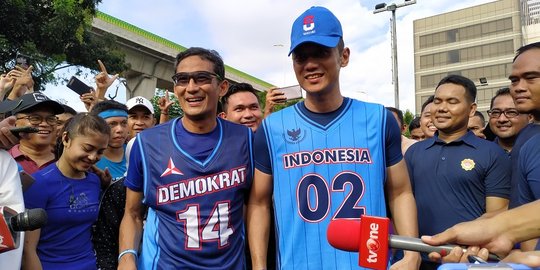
point(258, 218)
point(6, 84)
point(30, 260)
point(403, 207)
point(496, 205)
point(131, 228)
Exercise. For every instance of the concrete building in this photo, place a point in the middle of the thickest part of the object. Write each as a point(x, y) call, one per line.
point(477, 42)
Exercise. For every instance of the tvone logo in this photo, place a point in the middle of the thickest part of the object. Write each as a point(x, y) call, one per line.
point(373, 242)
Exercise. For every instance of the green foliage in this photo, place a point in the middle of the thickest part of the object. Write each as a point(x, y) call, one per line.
point(174, 110)
point(54, 34)
point(408, 116)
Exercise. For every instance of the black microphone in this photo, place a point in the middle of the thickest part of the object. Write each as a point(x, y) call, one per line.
point(28, 220)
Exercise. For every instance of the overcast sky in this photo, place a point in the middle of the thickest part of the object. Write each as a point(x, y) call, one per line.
point(253, 36)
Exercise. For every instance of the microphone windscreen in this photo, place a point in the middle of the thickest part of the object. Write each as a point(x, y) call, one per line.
point(344, 234)
point(29, 220)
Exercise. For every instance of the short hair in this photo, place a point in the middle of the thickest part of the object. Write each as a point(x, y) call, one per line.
point(237, 88)
point(210, 55)
point(427, 102)
point(108, 105)
point(69, 110)
point(399, 114)
point(414, 124)
point(470, 87)
point(522, 49)
point(505, 91)
point(481, 116)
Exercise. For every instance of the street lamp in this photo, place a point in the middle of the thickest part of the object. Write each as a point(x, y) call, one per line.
point(392, 7)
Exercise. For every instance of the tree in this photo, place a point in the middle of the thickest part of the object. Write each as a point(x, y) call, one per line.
point(52, 35)
point(408, 116)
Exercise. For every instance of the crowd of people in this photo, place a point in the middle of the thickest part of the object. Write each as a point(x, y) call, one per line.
point(229, 185)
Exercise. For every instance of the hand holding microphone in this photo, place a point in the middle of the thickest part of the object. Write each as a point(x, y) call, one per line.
point(370, 238)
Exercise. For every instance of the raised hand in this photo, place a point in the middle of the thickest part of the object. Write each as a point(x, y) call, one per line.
point(103, 81)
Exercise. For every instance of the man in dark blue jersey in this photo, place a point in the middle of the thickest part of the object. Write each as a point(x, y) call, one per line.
point(325, 158)
point(193, 174)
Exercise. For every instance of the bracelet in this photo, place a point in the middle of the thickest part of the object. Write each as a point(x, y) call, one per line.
point(132, 251)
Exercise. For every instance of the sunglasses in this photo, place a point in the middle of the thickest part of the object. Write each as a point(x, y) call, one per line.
point(199, 78)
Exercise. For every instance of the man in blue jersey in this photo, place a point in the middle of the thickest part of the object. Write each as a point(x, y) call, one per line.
point(326, 158)
point(193, 174)
point(465, 174)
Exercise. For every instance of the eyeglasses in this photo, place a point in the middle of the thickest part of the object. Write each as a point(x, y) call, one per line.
point(36, 119)
point(508, 113)
point(199, 77)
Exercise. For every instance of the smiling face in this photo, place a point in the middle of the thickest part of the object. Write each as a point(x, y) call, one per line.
point(47, 128)
point(243, 108)
point(525, 82)
point(83, 151)
point(503, 126)
point(451, 109)
point(199, 100)
point(317, 67)
point(426, 122)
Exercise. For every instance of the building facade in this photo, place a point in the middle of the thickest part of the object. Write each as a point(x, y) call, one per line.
point(477, 42)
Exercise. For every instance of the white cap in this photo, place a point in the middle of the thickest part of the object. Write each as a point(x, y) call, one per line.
point(140, 101)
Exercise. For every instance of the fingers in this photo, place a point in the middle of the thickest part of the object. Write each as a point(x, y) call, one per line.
point(447, 236)
point(115, 77)
point(102, 67)
point(29, 69)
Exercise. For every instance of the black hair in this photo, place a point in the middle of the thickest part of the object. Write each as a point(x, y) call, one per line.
point(427, 102)
point(505, 91)
point(522, 49)
point(210, 55)
point(237, 88)
point(414, 124)
point(108, 105)
point(481, 116)
point(399, 114)
point(82, 124)
point(470, 87)
point(68, 109)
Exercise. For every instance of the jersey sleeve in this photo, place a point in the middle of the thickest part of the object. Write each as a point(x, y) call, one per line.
point(497, 179)
point(135, 176)
point(261, 152)
point(529, 171)
point(392, 141)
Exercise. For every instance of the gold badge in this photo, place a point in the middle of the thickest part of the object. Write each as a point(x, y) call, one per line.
point(467, 164)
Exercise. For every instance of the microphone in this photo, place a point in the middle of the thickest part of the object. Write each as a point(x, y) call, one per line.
point(12, 223)
point(371, 239)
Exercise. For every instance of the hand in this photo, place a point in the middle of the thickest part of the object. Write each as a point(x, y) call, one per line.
point(411, 260)
point(164, 103)
point(480, 232)
point(89, 100)
point(6, 84)
point(273, 97)
point(457, 255)
point(530, 258)
point(103, 81)
point(24, 83)
point(7, 139)
point(104, 176)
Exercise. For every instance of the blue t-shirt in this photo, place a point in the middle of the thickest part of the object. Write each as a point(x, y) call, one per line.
point(117, 169)
point(529, 168)
point(72, 208)
point(451, 181)
point(524, 135)
point(195, 198)
point(325, 166)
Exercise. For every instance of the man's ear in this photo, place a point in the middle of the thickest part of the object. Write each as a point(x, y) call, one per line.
point(473, 109)
point(65, 138)
point(223, 88)
point(222, 115)
point(344, 58)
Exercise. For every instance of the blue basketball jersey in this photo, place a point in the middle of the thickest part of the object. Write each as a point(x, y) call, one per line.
point(324, 172)
point(195, 215)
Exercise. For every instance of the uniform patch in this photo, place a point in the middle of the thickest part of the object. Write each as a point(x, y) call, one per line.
point(467, 164)
point(294, 135)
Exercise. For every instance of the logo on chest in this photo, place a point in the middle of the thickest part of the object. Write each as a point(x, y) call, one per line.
point(294, 136)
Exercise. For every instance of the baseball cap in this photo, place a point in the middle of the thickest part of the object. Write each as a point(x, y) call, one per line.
point(29, 101)
point(318, 25)
point(140, 101)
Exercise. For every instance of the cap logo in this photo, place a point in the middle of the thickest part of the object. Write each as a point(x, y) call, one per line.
point(139, 101)
point(40, 97)
point(309, 24)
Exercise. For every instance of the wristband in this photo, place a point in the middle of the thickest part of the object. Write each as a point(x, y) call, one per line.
point(132, 251)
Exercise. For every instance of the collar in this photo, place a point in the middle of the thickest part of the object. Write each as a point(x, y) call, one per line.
point(15, 152)
point(469, 139)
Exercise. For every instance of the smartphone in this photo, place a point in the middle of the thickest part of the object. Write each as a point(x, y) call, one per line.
point(27, 129)
point(78, 86)
point(292, 92)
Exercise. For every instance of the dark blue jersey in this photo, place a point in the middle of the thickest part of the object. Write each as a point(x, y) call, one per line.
point(195, 216)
